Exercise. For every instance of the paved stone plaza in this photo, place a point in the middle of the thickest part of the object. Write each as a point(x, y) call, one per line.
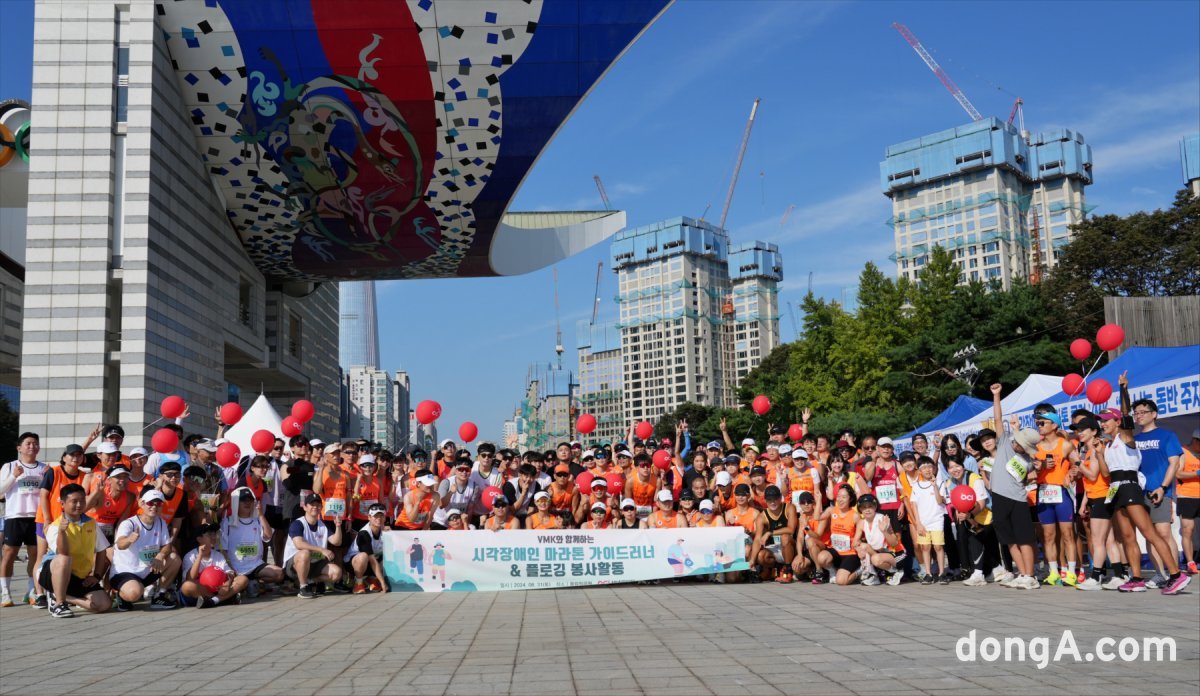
point(665, 639)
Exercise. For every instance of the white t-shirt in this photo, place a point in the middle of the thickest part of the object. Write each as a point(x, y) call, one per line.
point(459, 499)
point(137, 556)
point(243, 543)
point(316, 535)
point(215, 558)
point(924, 497)
point(20, 485)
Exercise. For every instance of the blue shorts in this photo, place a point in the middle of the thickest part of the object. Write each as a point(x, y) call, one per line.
point(1064, 511)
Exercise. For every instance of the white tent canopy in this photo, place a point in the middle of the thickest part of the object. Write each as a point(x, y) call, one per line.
point(260, 416)
point(1034, 390)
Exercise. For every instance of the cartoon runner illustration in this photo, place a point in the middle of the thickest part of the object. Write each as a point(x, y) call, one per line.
point(438, 563)
point(416, 559)
point(677, 558)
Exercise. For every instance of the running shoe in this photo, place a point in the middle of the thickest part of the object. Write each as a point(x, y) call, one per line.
point(785, 578)
point(870, 580)
point(1158, 581)
point(39, 602)
point(342, 587)
point(976, 579)
point(205, 603)
point(234, 600)
point(60, 611)
point(1080, 577)
point(5, 600)
point(928, 579)
point(895, 578)
point(119, 604)
point(945, 578)
point(374, 584)
point(1133, 585)
point(1088, 584)
point(1176, 586)
point(1068, 579)
point(164, 600)
point(1026, 583)
point(1053, 579)
point(999, 573)
point(306, 592)
point(252, 589)
point(1192, 569)
point(319, 588)
point(1115, 582)
point(360, 587)
point(820, 579)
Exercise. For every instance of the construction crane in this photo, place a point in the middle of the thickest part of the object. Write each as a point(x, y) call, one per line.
point(705, 212)
point(603, 193)
point(596, 293)
point(737, 168)
point(558, 344)
point(1017, 110)
point(786, 214)
point(937, 70)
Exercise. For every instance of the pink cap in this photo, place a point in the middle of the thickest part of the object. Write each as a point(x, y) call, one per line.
point(1109, 414)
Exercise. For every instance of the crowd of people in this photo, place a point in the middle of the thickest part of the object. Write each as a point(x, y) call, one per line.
point(1061, 504)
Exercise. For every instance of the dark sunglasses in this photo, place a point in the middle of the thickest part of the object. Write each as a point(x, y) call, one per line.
point(349, 451)
point(561, 474)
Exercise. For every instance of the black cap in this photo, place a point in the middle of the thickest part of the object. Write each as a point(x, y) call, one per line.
point(687, 495)
point(246, 494)
point(867, 499)
point(733, 459)
point(73, 449)
point(193, 471)
point(779, 430)
point(741, 489)
point(758, 471)
point(1088, 422)
point(169, 466)
point(210, 528)
point(312, 499)
point(110, 430)
point(651, 444)
point(806, 498)
point(773, 493)
point(419, 454)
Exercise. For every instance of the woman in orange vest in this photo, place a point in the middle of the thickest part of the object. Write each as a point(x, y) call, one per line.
point(708, 516)
point(564, 496)
point(1097, 508)
point(542, 517)
point(1187, 493)
point(665, 516)
point(599, 495)
point(599, 517)
point(367, 490)
point(812, 536)
point(844, 536)
point(501, 517)
point(418, 503)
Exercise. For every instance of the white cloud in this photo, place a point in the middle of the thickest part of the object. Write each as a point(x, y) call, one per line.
point(862, 208)
point(1117, 111)
point(1160, 147)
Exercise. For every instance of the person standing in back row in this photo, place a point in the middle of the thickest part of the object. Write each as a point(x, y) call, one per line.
point(1160, 450)
point(20, 483)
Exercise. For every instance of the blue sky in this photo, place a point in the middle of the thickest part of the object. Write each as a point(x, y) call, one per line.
point(837, 85)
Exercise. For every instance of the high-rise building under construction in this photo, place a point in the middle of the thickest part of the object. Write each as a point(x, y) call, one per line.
point(981, 191)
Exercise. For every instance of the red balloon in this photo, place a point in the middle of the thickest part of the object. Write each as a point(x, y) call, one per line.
point(172, 407)
point(616, 483)
point(262, 441)
point(290, 427)
point(165, 441)
point(761, 405)
point(1081, 349)
point(586, 424)
point(428, 411)
point(489, 495)
point(468, 431)
point(1099, 391)
point(1073, 384)
point(229, 454)
point(795, 432)
point(231, 413)
point(963, 498)
point(644, 430)
point(662, 459)
point(303, 410)
point(584, 481)
point(212, 579)
point(1110, 336)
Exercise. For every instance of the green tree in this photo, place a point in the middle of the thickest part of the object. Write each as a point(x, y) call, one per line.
point(693, 413)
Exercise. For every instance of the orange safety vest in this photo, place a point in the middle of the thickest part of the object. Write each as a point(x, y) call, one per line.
point(110, 509)
point(844, 523)
point(493, 522)
point(657, 520)
point(423, 508)
point(60, 479)
point(1189, 489)
point(1057, 474)
point(547, 521)
point(643, 493)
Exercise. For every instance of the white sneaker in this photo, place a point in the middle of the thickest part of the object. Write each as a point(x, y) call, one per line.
point(1009, 581)
point(999, 574)
point(6, 599)
point(976, 580)
point(1089, 584)
point(1159, 580)
point(1115, 582)
point(870, 579)
point(1027, 583)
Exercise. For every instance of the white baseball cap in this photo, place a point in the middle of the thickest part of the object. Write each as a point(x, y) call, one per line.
point(599, 482)
point(706, 504)
point(799, 453)
point(107, 448)
point(316, 442)
point(445, 442)
point(149, 494)
point(540, 494)
point(884, 442)
point(599, 506)
point(747, 442)
point(664, 495)
point(138, 452)
point(427, 480)
point(366, 459)
point(723, 478)
point(628, 502)
point(784, 449)
point(773, 445)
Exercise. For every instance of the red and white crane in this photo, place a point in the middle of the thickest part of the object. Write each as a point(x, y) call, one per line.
point(937, 70)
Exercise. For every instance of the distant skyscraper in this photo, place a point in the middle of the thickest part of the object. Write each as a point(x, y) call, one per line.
point(359, 325)
point(371, 393)
point(1189, 155)
point(600, 378)
point(755, 271)
point(976, 191)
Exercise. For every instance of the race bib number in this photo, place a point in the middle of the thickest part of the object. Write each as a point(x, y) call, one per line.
point(1017, 468)
point(840, 542)
point(147, 554)
point(886, 493)
point(776, 540)
point(643, 511)
point(1049, 494)
point(245, 551)
point(365, 505)
point(28, 484)
point(985, 464)
point(1112, 491)
point(210, 500)
point(335, 506)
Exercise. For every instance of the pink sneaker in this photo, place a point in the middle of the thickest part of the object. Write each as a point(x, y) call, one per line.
point(1177, 586)
point(1080, 577)
point(1134, 585)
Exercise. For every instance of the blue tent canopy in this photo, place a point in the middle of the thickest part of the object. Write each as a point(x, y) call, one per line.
point(963, 408)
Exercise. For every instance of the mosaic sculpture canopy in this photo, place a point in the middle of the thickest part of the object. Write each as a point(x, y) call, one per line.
point(384, 138)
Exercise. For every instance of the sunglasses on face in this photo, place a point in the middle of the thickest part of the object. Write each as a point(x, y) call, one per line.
point(153, 503)
point(597, 512)
point(643, 466)
point(172, 475)
point(351, 452)
point(561, 475)
point(628, 509)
